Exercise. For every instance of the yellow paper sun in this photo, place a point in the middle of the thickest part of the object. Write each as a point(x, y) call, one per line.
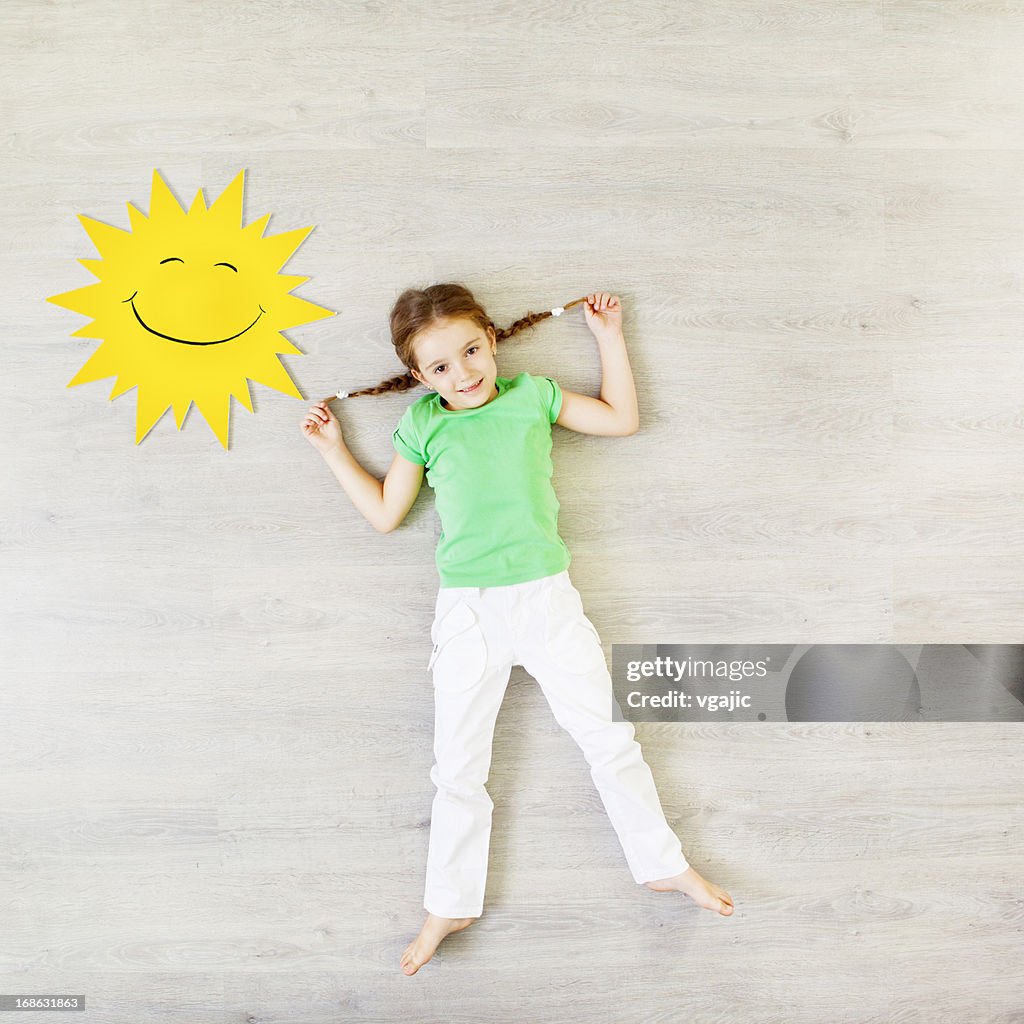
point(189, 305)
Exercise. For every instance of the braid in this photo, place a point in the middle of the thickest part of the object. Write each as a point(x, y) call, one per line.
point(400, 383)
point(521, 324)
point(417, 310)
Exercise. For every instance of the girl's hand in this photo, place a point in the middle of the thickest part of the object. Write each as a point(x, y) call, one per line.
point(603, 313)
point(322, 429)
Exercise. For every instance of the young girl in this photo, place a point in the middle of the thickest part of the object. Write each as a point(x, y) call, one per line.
point(505, 596)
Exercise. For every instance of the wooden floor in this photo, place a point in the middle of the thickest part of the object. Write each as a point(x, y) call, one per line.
point(217, 720)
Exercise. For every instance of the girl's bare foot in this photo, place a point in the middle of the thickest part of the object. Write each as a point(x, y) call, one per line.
point(423, 947)
point(703, 892)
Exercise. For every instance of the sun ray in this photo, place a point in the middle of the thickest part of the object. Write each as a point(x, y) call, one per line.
point(257, 227)
point(241, 392)
point(290, 311)
point(148, 410)
point(270, 373)
point(84, 300)
point(102, 363)
point(95, 267)
point(111, 243)
point(121, 385)
point(90, 330)
point(136, 218)
point(279, 248)
point(226, 211)
point(162, 204)
point(292, 281)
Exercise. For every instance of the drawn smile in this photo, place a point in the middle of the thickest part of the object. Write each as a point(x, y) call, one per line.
point(186, 341)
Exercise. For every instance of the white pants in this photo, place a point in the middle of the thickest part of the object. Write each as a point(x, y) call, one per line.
point(479, 633)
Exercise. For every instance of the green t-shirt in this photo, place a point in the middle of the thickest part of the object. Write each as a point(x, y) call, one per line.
point(490, 469)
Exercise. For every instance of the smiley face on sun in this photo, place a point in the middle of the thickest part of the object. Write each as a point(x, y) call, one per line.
point(189, 307)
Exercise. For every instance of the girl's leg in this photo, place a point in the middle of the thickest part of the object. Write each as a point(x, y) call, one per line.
point(562, 651)
point(470, 675)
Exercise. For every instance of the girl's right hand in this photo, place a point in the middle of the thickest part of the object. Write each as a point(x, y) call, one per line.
point(322, 429)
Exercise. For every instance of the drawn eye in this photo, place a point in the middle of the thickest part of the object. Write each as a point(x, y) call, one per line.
point(171, 259)
point(235, 269)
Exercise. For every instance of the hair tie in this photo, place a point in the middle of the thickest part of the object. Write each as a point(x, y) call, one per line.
point(342, 394)
point(558, 311)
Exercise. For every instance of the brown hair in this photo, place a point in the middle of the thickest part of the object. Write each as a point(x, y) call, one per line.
point(416, 310)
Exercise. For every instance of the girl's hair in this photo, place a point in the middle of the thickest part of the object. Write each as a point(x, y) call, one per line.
point(415, 311)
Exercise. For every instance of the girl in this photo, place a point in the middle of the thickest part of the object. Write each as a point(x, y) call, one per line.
point(505, 596)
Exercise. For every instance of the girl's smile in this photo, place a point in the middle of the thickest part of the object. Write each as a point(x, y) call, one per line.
point(472, 397)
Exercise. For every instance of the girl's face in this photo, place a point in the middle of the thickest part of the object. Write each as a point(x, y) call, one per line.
point(456, 355)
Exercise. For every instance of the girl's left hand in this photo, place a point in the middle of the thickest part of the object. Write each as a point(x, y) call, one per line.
point(603, 313)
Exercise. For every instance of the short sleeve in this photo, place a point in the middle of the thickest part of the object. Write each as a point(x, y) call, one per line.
point(551, 397)
point(405, 440)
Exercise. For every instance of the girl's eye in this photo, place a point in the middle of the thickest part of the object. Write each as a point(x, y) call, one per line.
point(441, 366)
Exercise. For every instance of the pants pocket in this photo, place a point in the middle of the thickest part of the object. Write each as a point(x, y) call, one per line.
point(460, 650)
point(572, 640)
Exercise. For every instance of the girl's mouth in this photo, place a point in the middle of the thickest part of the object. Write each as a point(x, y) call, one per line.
point(469, 391)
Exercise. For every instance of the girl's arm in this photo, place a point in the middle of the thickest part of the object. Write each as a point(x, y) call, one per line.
point(615, 413)
point(385, 503)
